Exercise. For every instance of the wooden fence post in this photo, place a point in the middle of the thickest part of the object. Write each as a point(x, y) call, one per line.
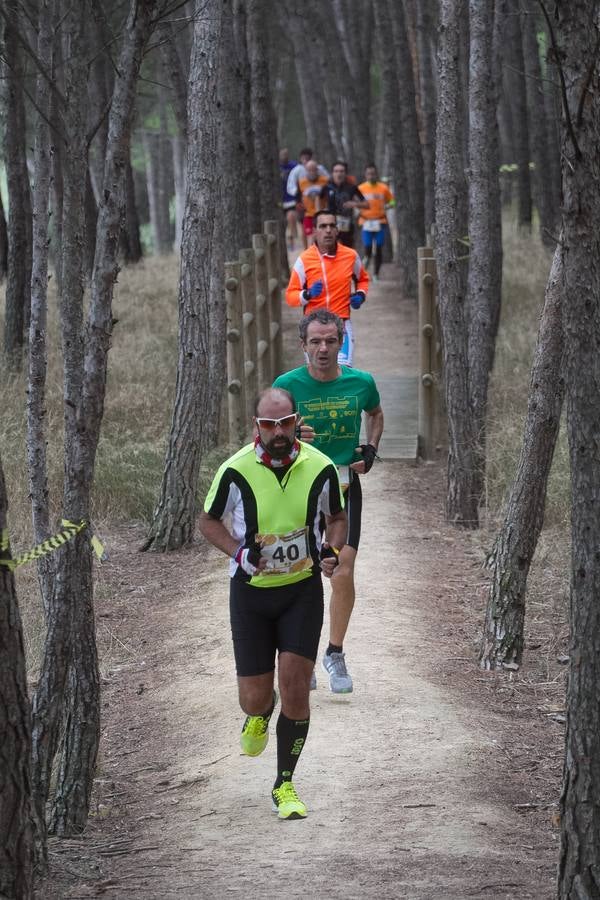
point(428, 362)
point(238, 425)
point(271, 228)
point(249, 323)
point(261, 281)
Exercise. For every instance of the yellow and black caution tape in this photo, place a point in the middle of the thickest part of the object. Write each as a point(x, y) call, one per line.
point(70, 529)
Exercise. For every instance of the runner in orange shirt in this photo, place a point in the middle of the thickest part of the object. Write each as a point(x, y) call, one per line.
point(309, 188)
point(373, 220)
point(329, 275)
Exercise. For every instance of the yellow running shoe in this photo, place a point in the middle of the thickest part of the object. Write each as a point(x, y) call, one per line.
point(286, 802)
point(255, 732)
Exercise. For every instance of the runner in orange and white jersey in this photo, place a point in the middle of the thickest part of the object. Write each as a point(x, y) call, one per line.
point(329, 275)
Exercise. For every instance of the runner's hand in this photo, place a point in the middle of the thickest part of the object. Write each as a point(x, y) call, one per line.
point(329, 559)
point(305, 432)
point(357, 300)
point(315, 290)
point(250, 560)
point(369, 454)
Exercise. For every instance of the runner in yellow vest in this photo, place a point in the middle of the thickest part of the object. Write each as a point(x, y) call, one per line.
point(264, 510)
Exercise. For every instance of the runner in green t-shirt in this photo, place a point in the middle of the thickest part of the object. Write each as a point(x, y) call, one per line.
point(331, 399)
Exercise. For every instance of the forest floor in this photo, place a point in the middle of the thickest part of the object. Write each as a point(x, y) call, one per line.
point(433, 779)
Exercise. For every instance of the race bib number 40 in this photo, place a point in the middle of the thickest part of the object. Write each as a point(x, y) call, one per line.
point(285, 553)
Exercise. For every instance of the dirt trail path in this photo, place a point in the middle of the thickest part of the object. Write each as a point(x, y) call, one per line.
point(411, 782)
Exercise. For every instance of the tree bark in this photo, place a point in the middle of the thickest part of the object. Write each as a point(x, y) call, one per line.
point(252, 191)
point(16, 814)
point(82, 719)
point(482, 301)
point(261, 107)
point(313, 102)
point(130, 234)
point(154, 143)
point(409, 128)
point(3, 243)
point(48, 700)
point(577, 27)
point(18, 281)
point(37, 431)
point(518, 100)
point(427, 95)
point(461, 503)
point(407, 259)
point(175, 514)
point(514, 547)
point(544, 192)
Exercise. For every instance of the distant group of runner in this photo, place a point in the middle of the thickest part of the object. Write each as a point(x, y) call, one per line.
point(307, 187)
point(286, 508)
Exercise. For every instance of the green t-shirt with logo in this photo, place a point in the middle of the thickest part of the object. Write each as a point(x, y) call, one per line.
point(333, 408)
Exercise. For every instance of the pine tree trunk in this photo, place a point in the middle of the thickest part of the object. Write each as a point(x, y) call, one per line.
point(82, 715)
point(515, 544)
point(481, 300)
point(577, 27)
point(174, 517)
point(252, 190)
point(3, 243)
point(409, 128)
point(37, 432)
point(518, 98)
point(16, 815)
point(427, 95)
point(130, 234)
point(461, 503)
point(261, 109)
point(159, 200)
point(407, 259)
point(313, 102)
point(18, 281)
point(544, 192)
point(48, 700)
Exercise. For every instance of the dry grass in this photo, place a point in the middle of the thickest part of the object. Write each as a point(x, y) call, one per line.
point(141, 379)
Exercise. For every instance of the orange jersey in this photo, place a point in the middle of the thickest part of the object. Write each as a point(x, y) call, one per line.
point(378, 195)
point(310, 193)
point(342, 275)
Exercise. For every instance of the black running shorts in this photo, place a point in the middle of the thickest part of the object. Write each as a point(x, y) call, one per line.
point(353, 506)
point(264, 620)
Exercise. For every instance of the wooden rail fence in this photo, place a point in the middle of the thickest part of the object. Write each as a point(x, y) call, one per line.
point(430, 404)
point(253, 286)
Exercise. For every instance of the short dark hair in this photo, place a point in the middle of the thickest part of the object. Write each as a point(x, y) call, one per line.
point(370, 165)
point(274, 390)
point(306, 151)
point(324, 317)
point(322, 212)
point(340, 162)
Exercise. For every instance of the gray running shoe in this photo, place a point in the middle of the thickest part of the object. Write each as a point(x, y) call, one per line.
point(313, 681)
point(340, 682)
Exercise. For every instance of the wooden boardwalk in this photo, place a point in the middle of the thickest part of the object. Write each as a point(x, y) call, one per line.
point(386, 335)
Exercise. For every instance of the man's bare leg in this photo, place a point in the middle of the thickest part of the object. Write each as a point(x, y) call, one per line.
point(341, 605)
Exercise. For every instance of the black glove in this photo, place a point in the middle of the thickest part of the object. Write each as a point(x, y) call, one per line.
point(248, 560)
point(369, 455)
point(328, 551)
